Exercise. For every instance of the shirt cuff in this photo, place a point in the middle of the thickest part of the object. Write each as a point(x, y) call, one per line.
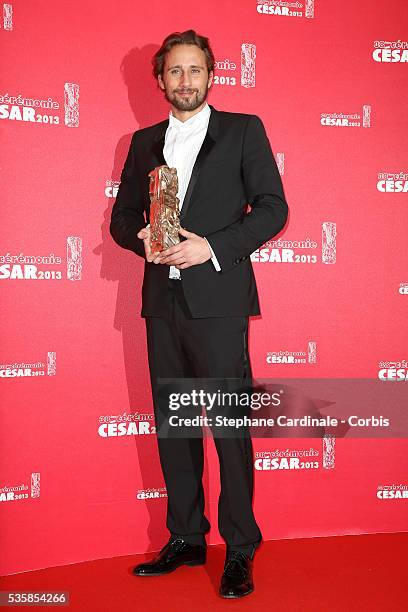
point(213, 257)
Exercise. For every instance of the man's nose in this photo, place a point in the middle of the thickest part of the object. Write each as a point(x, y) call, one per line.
point(185, 79)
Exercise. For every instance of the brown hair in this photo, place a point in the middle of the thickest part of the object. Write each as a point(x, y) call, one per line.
point(189, 37)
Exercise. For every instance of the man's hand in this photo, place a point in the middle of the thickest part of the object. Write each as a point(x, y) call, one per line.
point(144, 235)
point(190, 252)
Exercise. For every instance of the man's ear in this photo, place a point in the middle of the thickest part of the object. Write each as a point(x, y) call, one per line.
point(160, 81)
point(210, 78)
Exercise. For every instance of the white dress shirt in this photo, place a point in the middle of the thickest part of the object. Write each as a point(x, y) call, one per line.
point(182, 144)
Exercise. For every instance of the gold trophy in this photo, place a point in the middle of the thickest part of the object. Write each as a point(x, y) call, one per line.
point(164, 208)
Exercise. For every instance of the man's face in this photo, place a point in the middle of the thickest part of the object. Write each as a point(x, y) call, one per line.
point(185, 79)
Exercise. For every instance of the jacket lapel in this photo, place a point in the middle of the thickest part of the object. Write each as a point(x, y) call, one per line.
point(158, 142)
point(208, 143)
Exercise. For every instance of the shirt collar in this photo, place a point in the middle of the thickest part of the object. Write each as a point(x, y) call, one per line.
point(197, 120)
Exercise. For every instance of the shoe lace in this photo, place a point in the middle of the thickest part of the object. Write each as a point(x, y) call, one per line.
point(173, 544)
point(234, 565)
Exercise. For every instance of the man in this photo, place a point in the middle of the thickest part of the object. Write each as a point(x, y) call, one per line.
point(197, 295)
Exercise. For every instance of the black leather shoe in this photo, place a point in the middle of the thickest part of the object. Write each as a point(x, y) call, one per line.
point(236, 580)
point(172, 555)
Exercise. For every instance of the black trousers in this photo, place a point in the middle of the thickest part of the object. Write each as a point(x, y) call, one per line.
point(182, 347)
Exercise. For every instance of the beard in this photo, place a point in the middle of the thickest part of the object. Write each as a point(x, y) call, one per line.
point(194, 100)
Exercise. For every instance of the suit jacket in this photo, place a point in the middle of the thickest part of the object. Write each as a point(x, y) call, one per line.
point(234, 167)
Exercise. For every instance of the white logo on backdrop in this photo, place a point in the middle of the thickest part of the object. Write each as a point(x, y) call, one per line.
point(390, 51)
point(23, 491)
point(293, 357)
point(74, 258)
point(329, 451)
point(71, 103)
point(393, 491)
point(347, 120)
point(152, 493)
point(43, 267)
point(248, 56)
point(25, 369)
point(280, 161)
point(36, 110)
point(126, 425)
point(293, 251)
point(298, 459)
point(111, 188)
point(393, 371)
point(329, 233)
point(247, 64)
point(7, 17)
point(389, 182)
point(284, 8)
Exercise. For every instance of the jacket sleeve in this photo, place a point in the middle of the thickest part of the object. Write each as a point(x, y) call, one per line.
point(127, 217)
point(264, 191)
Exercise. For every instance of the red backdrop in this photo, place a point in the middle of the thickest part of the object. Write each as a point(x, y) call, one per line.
point(329, 81)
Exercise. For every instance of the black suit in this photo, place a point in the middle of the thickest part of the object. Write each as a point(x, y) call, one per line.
point(197, 327)
point(235, 166)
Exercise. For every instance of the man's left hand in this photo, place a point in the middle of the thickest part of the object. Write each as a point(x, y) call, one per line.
point(190, 252)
